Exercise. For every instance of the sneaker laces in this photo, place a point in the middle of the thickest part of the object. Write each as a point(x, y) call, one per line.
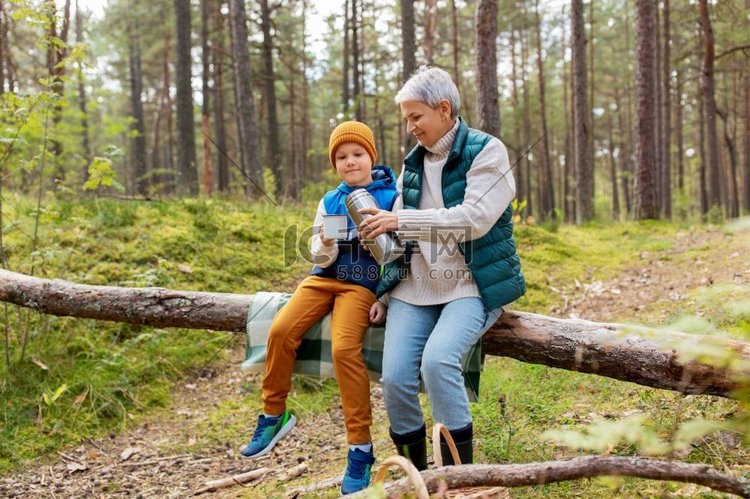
point(263, 423)
point(357, 465)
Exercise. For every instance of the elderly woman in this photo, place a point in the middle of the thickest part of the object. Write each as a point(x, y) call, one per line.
point(460, 268)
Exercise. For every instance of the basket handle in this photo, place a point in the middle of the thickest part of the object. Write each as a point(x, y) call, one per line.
point(411, 472)
point(437, 456)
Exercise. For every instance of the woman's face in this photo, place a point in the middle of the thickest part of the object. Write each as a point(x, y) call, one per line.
point(427, 124)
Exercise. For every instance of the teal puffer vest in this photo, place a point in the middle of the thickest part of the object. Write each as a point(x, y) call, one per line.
point(492, 258)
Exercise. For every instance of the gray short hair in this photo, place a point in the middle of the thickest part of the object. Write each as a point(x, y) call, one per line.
point(430, 85)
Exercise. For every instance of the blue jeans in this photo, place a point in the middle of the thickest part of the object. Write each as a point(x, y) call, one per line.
point(431, 340)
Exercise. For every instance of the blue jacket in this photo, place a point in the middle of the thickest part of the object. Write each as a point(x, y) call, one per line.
point(353, 263)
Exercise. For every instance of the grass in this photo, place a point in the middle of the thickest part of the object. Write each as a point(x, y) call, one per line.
point(81, 379)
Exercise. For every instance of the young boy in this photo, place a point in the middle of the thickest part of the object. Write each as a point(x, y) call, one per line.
point(344, 279)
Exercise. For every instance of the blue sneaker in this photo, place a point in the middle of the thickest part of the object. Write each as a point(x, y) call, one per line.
point(267, 433)
point(357, 474)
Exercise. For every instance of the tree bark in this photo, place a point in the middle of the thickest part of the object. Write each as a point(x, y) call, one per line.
point(584, 166)
point(679, 136)
point(208, 181)
point(531, 474)
point(624, 151)
point(358, 97)
point(666, 119)
point(57, 50)
point(408, 55)
point(746, 168)
point(3, 47)
point(703, 182)
point(518, 173)
point(613, 170)
point(485, 22)
point(732, 151)
point(527, 141)
point(345, 82)
point(248, 133)
point(139, 171)
point(610, 350)
point(430, 27)
point(646, 167)
point(220, 135)
point(187, 182)
point(85, 145)
point(269, 86)
point(545, 181)
point(709, 98)
point(454, 42)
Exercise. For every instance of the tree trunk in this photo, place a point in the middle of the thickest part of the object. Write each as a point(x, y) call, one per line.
point(56, 53)
point(454, 40)
point(584, 167)
point(358, 104)
point(645, 179)
point(535, 474)
point(10, 76)
point(408, 54)
point(518, 173)
point(746, 169)
point(732, 151)
point(624, 151)
point(345, 82)
point(3, 47)
point(208, 182)
point(162, 158)
point(527, 141)
point(610, 350)
point(187, 182)
point(269, 86)
point(545, 181)
point(485, 51)
point(85, 146)
point(520, 178)
point(139, 168)
point(702, 151)
point(248, 133)
point(430, 26)
point(305, 101)
point(679, 133)
point(567, 199)
point(613, 170)
point(709, 101)
point(666, 119)
point(220, 135)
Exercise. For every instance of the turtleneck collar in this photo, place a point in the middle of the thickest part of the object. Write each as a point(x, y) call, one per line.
point(442, 147)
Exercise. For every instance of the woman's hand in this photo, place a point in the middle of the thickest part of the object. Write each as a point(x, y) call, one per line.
point(377, 223)
point(377, 312)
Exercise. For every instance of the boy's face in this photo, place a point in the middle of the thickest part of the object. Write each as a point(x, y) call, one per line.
point(353, 164)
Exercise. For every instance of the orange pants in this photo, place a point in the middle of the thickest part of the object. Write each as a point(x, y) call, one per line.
point(313, 298)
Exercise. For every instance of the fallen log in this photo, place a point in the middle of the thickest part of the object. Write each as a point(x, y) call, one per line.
point(530, 474)
point(611, 350)
point(223, 483)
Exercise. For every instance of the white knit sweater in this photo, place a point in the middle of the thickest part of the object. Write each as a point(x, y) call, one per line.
point(438, 273)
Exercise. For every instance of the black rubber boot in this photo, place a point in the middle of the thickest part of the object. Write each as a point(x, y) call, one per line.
point(463, 438)
point(413, 446)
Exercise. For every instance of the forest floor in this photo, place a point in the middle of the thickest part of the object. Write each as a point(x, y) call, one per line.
point(164, 454)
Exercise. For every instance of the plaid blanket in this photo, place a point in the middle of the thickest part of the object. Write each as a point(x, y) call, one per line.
point(314, 354)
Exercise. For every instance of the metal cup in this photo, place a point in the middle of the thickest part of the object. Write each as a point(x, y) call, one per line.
point(384, 248)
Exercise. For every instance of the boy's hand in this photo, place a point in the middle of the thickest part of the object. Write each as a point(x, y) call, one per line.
point(326, 242)
point(378, 222)
point(377, 312)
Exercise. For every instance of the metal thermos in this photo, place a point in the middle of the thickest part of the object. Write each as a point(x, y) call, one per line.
point(384, 248)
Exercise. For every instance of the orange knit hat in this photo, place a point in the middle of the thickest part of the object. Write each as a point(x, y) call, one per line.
point(352, 131)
